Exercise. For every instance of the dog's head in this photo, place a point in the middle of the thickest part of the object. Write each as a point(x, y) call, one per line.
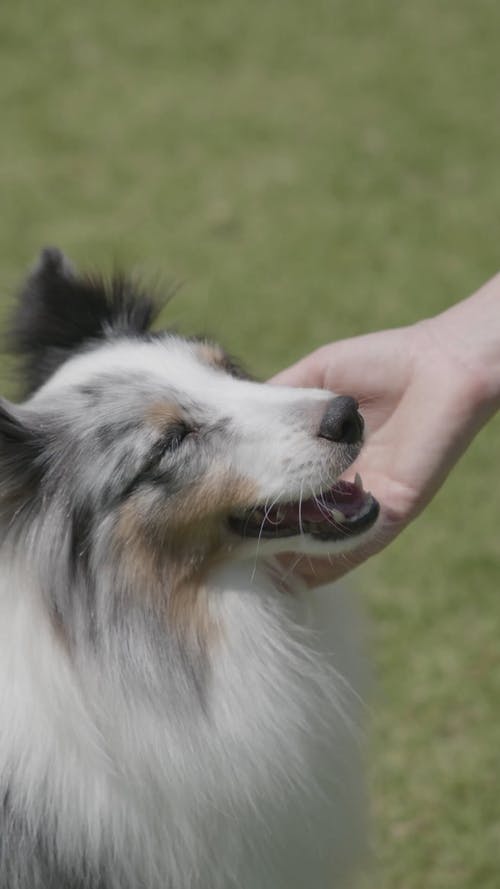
point(144, 453)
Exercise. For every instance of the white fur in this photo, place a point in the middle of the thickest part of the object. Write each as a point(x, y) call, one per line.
point(260, 790)
point(265, 794)
point(274, 438)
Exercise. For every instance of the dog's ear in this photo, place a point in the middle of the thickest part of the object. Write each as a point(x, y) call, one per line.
point(59, 311)
point(22, 445)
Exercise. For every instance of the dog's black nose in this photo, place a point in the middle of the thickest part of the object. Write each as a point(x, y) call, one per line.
point(342, 422)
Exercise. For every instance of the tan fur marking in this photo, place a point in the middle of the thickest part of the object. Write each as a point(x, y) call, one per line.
point(59, 630)
point(212, 354)
point(214, 495)
point(132, 539)
point(189, 613)
point(161, 568)
point(168, 550)
point(163, 414)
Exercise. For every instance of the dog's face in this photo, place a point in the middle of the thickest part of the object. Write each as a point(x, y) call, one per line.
point(153, 450)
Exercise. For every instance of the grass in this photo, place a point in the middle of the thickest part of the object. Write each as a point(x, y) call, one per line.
point(309, 171)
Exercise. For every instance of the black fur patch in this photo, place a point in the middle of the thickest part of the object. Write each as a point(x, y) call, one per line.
point(29, 859)
point(13, 431)
point(233, 367)
point(80, 539)
point(21, 458)
point(60, 312)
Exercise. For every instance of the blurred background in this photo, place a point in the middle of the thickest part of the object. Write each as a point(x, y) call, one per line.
point(307, 171)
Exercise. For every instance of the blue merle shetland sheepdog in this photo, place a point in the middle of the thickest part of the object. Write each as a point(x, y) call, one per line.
point(176, 711)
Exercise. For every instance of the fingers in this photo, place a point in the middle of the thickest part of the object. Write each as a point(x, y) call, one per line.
point(319, 570)
point(330, 367)
point(372, 364)
point(308, 372)
point(344, 367)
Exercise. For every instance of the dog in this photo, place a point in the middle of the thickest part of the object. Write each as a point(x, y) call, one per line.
point(176, 710)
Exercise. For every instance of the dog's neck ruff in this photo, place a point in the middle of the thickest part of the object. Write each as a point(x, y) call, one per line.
point(144, 789)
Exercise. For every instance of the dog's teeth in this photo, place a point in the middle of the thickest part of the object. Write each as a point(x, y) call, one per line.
point(337, 515)
point(357, 481)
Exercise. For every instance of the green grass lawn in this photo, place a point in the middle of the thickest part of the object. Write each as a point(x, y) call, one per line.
point(307, 171)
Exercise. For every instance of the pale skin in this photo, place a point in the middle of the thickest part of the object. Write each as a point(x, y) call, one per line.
point(424, 391)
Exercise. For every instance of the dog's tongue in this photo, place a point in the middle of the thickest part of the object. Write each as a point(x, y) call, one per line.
point(345, 497)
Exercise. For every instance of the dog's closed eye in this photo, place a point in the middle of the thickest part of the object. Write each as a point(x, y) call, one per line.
point(174, 437)
point(170, 442)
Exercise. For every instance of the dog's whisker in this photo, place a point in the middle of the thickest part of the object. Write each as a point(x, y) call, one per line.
point(301, 527)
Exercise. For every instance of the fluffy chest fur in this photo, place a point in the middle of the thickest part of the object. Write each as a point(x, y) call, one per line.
point(259, 786)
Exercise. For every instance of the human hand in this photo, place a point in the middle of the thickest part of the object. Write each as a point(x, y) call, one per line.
point(424, 392)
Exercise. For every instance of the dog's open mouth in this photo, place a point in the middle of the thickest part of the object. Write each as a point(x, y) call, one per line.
point(345, 510)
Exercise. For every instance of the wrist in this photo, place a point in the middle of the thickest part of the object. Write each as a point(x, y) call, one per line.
point(467, 338)
point(461, 389)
